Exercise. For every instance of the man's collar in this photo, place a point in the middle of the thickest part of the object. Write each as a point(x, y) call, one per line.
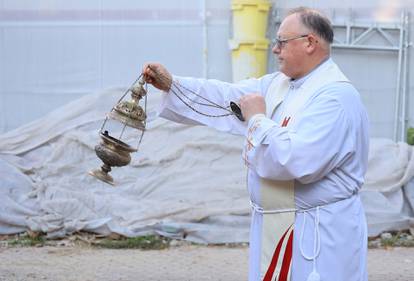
point(297, 83)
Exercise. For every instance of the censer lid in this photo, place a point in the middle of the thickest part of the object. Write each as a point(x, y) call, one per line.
point(129, 113)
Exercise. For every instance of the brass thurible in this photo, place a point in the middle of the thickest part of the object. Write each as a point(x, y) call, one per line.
point(114, 151)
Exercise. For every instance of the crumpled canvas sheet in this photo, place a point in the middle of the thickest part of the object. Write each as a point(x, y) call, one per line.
point(184, 182)
point(388, 193)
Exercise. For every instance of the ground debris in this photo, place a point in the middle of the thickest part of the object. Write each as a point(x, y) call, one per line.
point(386, 240)
point(392, 239)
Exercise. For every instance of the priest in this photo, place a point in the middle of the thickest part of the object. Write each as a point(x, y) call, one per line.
point(306, 149)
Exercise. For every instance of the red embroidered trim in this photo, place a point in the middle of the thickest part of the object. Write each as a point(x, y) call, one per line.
point(249, 141)
point(285, 121)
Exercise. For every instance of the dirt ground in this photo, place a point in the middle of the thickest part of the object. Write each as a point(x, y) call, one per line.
point(185, 262)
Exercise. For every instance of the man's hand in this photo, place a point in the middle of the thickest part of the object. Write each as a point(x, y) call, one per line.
point(252, 104)
point(157, 75)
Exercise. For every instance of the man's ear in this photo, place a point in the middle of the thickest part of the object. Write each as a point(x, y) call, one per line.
point(312, 43)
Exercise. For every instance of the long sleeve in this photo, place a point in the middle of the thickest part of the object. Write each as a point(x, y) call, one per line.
point(321, 140)
point(221, 93)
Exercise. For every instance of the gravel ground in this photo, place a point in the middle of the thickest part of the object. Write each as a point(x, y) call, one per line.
point(185, 262)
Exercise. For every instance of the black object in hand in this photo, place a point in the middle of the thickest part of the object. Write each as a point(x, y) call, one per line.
point(236, 110)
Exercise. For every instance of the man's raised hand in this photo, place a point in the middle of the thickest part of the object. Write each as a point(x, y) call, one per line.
point(157, 75)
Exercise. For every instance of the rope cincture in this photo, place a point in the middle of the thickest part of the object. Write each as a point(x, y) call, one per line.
point(314, 275)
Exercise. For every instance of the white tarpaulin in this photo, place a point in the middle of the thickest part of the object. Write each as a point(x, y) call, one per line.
point(184, 182)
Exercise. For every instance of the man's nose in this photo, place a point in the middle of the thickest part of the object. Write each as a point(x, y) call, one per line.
point(276, 49)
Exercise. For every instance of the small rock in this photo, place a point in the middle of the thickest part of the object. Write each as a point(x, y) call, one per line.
point(386, 235)
point(176, 243)
point(64, 243)
point(374, 243)
point(33, 234)
point(114, 236)
point(403, 236)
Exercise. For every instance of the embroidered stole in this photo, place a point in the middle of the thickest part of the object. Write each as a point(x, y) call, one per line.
point(277, 229)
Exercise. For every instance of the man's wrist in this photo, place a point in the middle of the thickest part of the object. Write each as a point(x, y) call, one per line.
point(254, 118)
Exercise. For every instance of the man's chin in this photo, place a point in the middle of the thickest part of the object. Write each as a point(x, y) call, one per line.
point(282, 68)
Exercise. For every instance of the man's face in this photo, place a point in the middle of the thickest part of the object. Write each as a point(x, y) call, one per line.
point(291, 50)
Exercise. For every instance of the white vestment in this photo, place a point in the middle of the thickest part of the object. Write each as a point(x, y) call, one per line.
point(325, 152)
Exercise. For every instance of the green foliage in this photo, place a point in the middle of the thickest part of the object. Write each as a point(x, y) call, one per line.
point(410, 136)
point(27, 241)
point(150, 242)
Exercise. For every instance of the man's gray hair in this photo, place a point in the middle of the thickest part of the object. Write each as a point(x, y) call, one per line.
point(316, 22)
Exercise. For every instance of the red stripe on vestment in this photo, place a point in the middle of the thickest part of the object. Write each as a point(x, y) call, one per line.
point(285, 121)
point(271, 269)
point(284, 271)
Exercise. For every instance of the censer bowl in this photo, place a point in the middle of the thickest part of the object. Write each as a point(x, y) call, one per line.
point(113, 153)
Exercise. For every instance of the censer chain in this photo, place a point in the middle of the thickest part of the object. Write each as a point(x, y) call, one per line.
point(177, 90)
point(126, 92)
point(196, 110)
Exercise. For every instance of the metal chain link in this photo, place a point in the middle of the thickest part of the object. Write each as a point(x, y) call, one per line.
point(177, 90)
